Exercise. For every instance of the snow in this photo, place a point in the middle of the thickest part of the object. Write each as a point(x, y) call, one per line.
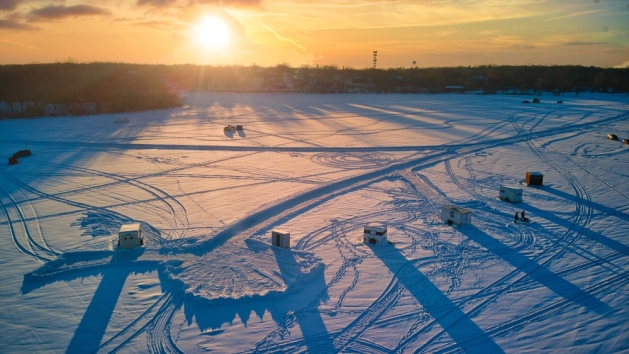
point(320, 167)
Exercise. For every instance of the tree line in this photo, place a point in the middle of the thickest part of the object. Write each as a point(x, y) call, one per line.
point(33, 90)
point(77, 89)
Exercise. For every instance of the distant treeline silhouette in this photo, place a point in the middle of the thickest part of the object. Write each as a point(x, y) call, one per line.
point(76, 89)
point(36, 90)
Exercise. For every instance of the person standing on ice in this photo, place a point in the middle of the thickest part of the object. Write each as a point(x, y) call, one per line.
point(515, 221)
point(523, 218)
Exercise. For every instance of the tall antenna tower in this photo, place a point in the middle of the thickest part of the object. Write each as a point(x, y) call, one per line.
point(375, 58)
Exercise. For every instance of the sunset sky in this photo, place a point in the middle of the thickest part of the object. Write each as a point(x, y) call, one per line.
point(324, 32)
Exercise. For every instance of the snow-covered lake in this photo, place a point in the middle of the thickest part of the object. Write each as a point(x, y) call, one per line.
point(319, 167)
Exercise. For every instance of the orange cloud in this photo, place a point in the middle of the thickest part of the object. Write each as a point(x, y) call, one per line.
point(12, 25)
point(9, 4)
point(56, 12)
point(192, 3)
point(155, 3)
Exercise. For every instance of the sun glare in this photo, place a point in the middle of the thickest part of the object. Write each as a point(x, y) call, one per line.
point(211, 33)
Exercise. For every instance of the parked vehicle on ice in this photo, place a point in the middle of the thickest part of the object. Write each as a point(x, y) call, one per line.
point(23, 153)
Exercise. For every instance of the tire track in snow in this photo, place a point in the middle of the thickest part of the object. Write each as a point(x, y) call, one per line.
point(342, 338)
point(383, 323)
point(590, 172)
point(353, 258)
point(156, 192)
point(503, 283)
point(486, 132)
point(44, 245)
point(309, 242)
point(366, 319)
point(127, 334)
point(581, 219)
point(159, 339)
point(82, 206)
point(544, 312)
point(267, 344)
point(31, 248)
point(15, 238)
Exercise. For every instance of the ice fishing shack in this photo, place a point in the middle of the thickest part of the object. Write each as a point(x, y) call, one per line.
point(130, 236)
point(280, 239)
point(453, 214)
point(375, 233)
point(511, 194)
point(534, 178)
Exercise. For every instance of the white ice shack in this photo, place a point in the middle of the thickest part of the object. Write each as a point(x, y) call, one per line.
point(130, 236)
point(375, 233)
point(453, 214)
point(511, 194)
point(280, 239)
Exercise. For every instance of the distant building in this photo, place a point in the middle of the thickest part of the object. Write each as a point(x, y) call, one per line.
point(453, 214)
point(455, 89)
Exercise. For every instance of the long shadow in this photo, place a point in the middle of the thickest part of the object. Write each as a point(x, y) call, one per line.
point(312, 327)
point(211, 319)
point(91, 329)
point(467, 335)
point(606, 241)
point(212, 315)
point(537, 272)
point(600, 207)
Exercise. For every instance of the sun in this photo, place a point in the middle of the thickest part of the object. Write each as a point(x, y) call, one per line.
point(211, 33)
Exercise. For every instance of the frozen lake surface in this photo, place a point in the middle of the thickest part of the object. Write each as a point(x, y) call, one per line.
point(319, 167)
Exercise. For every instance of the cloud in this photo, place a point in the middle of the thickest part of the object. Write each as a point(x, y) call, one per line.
point(16, 26)
point(229, 3)
point(575, 14)
point(281, 38)
point(54, 12)
point(584, 43)
point(9, 4)
point(155, 3)
point(160, 25)
point(193, 3)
